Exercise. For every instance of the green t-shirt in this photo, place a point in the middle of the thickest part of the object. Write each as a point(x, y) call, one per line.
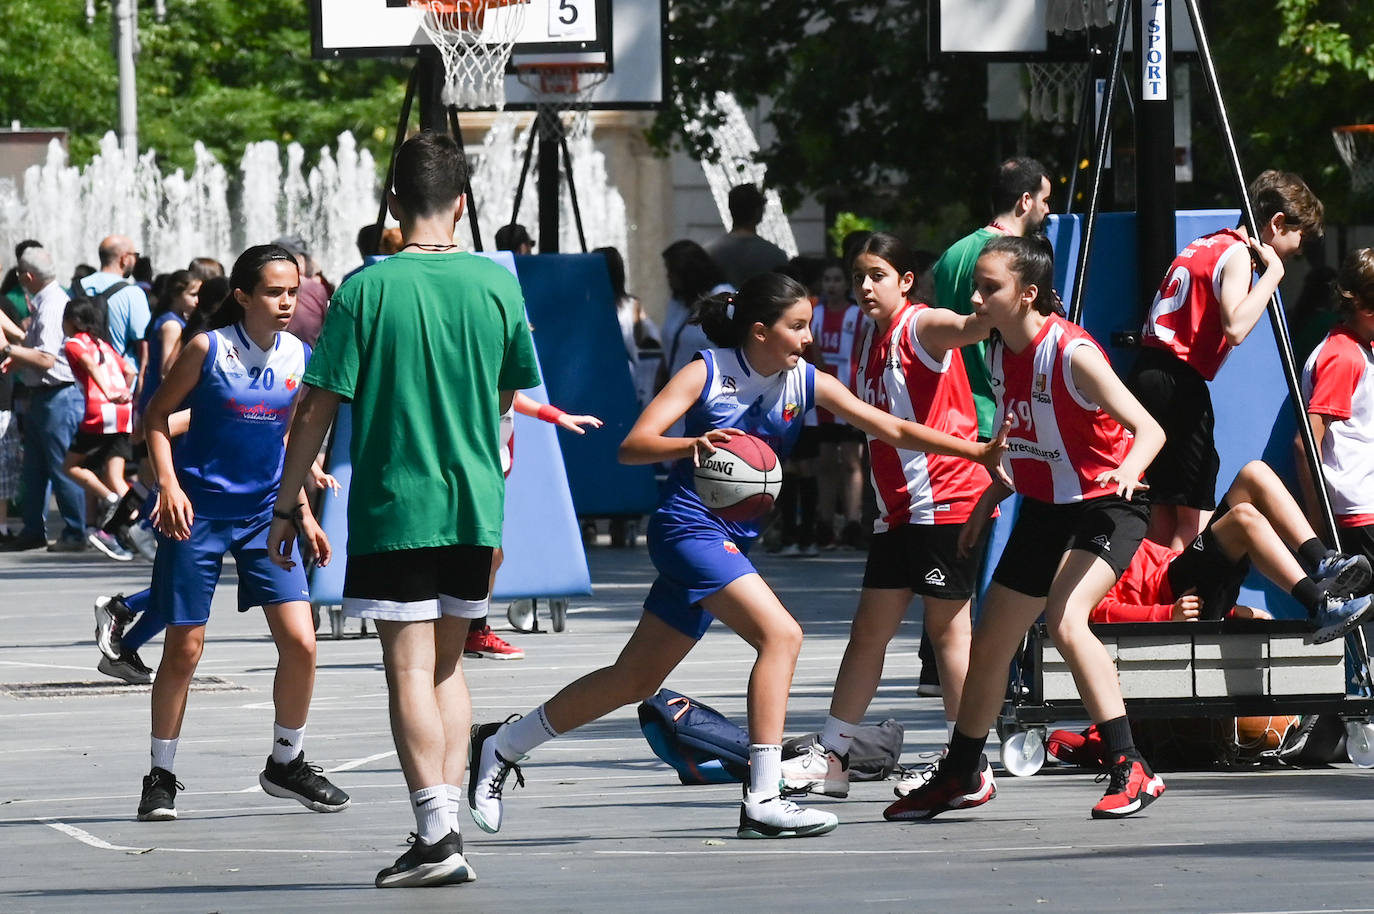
point(422, 344)
point(954, 290)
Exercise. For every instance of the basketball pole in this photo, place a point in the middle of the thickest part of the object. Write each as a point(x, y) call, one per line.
point(1276, 317)
point(1156, 192)
point(396, 147)
point(1104, 132)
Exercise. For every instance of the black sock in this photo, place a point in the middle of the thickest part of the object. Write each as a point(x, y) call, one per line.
point(1309, 594)
point(1311, 553)
point(965, 757)
point(1116, 735)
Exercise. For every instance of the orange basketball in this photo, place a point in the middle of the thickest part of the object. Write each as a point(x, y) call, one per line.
point(1261, 734)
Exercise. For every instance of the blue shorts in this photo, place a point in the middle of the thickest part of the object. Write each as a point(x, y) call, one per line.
point(185, 572)
point(695, 558)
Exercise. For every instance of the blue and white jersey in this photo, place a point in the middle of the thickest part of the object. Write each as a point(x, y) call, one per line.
point(230, 460)
point(771, 407)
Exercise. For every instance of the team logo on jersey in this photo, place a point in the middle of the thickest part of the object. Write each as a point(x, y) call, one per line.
point(291, 381)
point(1102, 541)
point(789, 412)
point(1040, 383)
point(935, 576)
point(727, 384)
point(730, 547)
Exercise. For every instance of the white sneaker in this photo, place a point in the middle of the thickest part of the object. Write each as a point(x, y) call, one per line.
point(917, 774)
point(107, 544)
point(487, 773)
point(111, 615)
point(777, 817)
point(817, 769)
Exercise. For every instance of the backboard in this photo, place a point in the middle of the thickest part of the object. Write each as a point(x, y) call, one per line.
point(625, 35)
point(1016, 30)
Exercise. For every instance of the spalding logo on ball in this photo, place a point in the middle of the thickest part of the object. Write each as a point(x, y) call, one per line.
point(740, 480)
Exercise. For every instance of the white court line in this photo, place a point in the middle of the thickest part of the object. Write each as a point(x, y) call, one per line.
point(360, 762)
point(1309, 911)
point(50, 666)
point(892, 852)
point(91, 840)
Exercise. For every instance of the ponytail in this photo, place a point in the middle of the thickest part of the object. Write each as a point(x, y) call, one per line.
point(727, 317)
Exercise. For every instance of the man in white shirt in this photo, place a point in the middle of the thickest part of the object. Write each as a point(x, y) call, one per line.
point(55, 407)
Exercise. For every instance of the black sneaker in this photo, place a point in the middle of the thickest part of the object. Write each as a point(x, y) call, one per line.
point(112, 614)
point(159, 796)
point(128, 666)
point(440, 863)
point(303, 782)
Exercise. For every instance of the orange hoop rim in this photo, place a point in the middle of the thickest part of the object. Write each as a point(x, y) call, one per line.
point(561, 66)
point(1354, 128)
point(463, 7)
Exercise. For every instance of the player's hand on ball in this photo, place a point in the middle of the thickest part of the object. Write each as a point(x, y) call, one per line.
point(1188, 607)
point(706, 444)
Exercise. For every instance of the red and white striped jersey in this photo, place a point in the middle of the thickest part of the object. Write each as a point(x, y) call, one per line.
point(895, 373)
point(1185, 318)
point(1060, 441)
point(102, 417)
point(1338, 382)
point(835, 331)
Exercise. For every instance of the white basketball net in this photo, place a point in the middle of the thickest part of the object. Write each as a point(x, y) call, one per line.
point(1356, 147)
point(564, 90)
point(1056, 91)
point(474, 39)
point(1076, 15)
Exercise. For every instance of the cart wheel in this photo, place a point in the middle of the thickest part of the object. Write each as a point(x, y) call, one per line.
point(1359, 742)
point(520, 615)
point(558, 614)
point(1023, 753)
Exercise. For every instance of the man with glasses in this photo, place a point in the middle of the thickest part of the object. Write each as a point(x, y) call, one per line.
point(128, 306)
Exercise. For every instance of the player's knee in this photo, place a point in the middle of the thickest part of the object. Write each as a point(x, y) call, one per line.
point(1247, 515)
point(783, 636)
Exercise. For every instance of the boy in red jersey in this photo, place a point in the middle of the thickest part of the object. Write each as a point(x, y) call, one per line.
point(1207, 304)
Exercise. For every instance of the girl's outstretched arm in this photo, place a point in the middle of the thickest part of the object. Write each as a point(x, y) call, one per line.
point(911, 436)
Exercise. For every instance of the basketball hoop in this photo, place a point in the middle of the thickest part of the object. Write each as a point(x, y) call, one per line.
point(1056, 91)
point(1355, 143)
point(474, 39)
point(563, 88)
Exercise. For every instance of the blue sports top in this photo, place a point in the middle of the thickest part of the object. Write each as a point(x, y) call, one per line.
point(229, 462)
point(152, 372)
point(771, 407)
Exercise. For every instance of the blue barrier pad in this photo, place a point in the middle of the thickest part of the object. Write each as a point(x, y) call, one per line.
point(572, 313)
point(1254, 418)
point(541, 537)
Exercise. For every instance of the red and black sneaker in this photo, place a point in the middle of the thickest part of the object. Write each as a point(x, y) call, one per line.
point(1131, 787)
point(942, 792)
point(1086, 749)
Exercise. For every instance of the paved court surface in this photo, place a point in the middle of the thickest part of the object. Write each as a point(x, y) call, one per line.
point(602, 825)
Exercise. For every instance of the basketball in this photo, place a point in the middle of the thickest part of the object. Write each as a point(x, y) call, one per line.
point(740, 480)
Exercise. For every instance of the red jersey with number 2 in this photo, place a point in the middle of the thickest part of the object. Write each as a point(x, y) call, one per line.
point(1185, 318)
point(1060, 441)
point(896, 374)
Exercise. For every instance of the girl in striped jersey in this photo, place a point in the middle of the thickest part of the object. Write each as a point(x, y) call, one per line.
point(909, 365)
point(1078, 445)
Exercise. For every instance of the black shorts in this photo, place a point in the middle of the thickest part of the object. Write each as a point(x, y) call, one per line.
point(1184, 472)
point(417, 585)
point(838, 433)
point(97, 449)
point(808, 444)
point(1357, 540)
point(922, 558)
point(1203, 567)
point(1109, 527)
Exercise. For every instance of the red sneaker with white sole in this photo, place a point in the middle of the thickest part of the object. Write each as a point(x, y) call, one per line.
point(942, 793)
point(1086, 749)
point(1131, 787)
point(483, 642)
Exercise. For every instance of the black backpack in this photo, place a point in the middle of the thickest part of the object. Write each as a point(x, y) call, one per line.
point(701, 744)
point(102, 302)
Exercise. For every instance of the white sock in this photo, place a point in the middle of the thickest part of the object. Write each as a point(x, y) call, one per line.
point(518, 737)
point(838, 735)
point(949, 731)
point(164, 753)
point(432, 819)
point(455, 807)
point(765, 769)
point(286, 744)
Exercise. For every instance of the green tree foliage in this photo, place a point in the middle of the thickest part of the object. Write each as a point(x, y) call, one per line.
point(226, 72)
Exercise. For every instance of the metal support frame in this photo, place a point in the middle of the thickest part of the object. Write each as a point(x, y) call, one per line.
point(548, 132)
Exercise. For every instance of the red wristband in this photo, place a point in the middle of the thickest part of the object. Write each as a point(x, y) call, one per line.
point(549, 413)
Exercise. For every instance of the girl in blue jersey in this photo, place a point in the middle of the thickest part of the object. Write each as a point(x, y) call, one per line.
point(240, 379)
point(756, 382)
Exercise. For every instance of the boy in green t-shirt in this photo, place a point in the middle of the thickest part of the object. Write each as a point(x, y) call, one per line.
point(430, 346)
